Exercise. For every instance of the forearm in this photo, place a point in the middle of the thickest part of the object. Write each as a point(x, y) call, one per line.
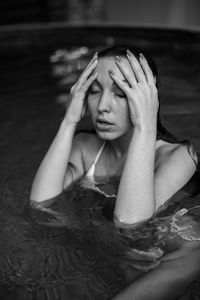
point(136, 200)
point(49, 178)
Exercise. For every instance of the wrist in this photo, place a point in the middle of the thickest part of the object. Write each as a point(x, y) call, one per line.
point(149, 129)
point(68, 124)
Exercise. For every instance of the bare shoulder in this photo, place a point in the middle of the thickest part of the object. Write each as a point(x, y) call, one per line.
point(176, 153)
point(175, 164)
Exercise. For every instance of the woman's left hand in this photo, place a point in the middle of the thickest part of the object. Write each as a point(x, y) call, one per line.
point(140, 90)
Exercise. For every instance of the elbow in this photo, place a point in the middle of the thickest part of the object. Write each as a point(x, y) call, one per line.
point(122, 221)
point(117, 221)
point(35, 204)
point(135, 213)
point(34, 201)
point(40, 204)
point(44, 202)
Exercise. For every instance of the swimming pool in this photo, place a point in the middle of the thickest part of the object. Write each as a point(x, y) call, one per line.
point(80, 256)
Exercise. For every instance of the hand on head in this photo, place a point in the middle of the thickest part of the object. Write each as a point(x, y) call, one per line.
point(76, 106)
point(140, 89)
point(136, 81)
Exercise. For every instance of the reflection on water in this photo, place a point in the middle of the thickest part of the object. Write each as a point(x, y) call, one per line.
point(69, 248)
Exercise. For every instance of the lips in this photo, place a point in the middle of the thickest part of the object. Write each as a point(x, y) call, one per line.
point(103, 125)
point(104, 121)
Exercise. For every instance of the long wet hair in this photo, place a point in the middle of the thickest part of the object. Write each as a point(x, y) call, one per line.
point(162, 131)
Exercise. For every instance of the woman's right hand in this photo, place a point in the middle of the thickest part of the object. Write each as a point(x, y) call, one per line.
point(76, 106)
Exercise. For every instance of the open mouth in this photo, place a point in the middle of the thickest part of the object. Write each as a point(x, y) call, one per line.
point(104, 125)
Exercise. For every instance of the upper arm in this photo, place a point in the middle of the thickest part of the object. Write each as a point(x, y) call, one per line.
point(75, 168)
point(174, 170)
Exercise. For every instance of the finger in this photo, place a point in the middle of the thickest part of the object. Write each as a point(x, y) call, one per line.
point(130, 76)
point(135, 65)
point(87, 72)
point(120, 83)
point(89, 81)
point(93, 58)
point(147, 70)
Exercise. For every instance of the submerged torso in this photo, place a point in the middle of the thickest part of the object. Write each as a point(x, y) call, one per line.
point(74, 251)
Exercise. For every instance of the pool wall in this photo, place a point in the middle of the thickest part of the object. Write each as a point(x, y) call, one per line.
point(36, 37)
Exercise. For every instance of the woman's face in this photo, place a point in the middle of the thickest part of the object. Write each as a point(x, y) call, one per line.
point(107, 103)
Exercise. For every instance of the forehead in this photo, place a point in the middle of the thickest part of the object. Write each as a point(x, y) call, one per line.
point(108, 64)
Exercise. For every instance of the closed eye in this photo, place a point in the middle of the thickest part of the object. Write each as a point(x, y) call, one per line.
point(94, 88)
point(120, 95)
point(94, 91)
point(118, 92)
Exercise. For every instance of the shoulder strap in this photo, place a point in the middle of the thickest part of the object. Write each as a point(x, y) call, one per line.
point(99, 153)
point(91, 170)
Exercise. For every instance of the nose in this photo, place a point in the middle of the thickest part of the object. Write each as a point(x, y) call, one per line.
point(104, 103)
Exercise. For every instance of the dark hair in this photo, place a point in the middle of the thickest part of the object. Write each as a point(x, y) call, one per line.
point(162, 131)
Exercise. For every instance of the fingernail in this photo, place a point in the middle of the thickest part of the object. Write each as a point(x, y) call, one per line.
point(111, 73)
point(95, 55)
point(128, 52)
point(141, 55)
point(118, 58)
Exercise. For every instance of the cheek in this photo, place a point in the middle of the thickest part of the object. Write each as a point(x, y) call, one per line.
point(124, 115)
point(123, 109)
point(92, 105)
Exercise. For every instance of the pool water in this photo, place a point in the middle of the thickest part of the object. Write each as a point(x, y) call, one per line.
point(71, 249)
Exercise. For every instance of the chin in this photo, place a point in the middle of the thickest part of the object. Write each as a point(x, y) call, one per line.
point(108, 135)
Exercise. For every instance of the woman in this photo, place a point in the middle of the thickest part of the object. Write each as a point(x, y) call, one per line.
point(119, 87)
point(120, 91)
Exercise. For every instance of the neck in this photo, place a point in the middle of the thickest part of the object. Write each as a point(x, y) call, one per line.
point(121, 144)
